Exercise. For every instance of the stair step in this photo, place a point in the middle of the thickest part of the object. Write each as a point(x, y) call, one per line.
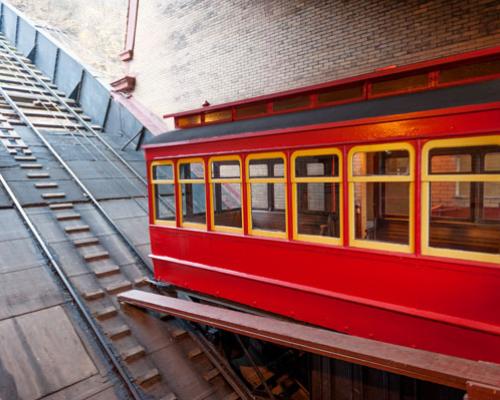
point(94, 294)
point(46, 185)
point(118, 332)
point(61, 206)
point(53, 195)
point(77, 229)
point(195, 353)
point(106, 312)
point(16, 146)
point(100, 255)
point(133, 354)
point(140, 281)
point(25, 158)
point(232, 396)
point(210, 375)
point(118, 286)
point(68, 217)
point(106, 271)
point(38, 175)
point(86, 242)
point(31, 166)
point(150, 377)
point(178, 333)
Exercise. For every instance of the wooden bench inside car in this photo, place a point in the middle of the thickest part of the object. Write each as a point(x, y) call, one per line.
point(465, 236)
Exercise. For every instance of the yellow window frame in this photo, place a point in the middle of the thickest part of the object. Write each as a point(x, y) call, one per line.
point(154, 182)
point(180, 182)
point(410, 178)
point(222, 228)
point(296, 180)
point(249, 181)
point(427, 179)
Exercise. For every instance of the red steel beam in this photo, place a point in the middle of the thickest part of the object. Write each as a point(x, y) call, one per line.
point(481, 380)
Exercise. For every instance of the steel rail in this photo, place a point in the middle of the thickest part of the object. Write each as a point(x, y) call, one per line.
point(220, 363)
point(75, 296)
point(70, 109)
point(255, 367)
point(77, 180)
point(215, 358)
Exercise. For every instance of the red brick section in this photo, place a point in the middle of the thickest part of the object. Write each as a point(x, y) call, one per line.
point(225, 51)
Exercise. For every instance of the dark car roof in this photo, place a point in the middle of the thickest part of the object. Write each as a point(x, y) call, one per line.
point(483, 92)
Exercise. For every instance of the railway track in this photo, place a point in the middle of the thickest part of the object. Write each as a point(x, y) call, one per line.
point(156, 359)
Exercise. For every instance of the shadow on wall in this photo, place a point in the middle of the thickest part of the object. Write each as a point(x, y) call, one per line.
point(8, 388)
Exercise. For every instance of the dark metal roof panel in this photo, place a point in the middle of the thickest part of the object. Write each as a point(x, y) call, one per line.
point(483, 92)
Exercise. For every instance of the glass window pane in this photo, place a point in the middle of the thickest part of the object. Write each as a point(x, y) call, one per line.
point(268, 206)
point(279, 196)
point(405, 83)
point(492, 162)
point(259, 170)
point(491, 201)
point(165, 202)
point(468, 71)
point(340, 94)
point(291, 103)
point(451, 200)
point(267, 168)
point(279, 170)
point(461, 223)
point(382, 211)
point(218, 116)
point(316, 166)
point(260, 199)
point(163, 172)
point(226, 169)
point(381, 163)
point(451, 163)
point(316, 196)
point(189, 120)
point(251, 110)
point(227, 204)
point(473, 159)
point(193, 202)
point(318, 209)
point(192, 171)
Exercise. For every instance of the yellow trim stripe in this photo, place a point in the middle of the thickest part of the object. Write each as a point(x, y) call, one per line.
point(326, 179)
point(211, 181)
point(373, 148)
point(250, 181)
point(373, 244)
point(181, 182)
point(491, 140)
point(155, 182)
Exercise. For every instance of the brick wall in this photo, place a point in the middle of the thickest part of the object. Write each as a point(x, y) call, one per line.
point(195, 50)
